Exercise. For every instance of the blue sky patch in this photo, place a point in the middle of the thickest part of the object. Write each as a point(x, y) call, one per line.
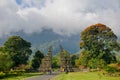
point(19, 1)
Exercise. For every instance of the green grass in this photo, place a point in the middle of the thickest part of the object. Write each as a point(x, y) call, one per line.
point(25, 75)
point(84, 76)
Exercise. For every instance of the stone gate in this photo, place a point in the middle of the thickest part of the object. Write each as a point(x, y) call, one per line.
point(46, 63)
point(65, 63)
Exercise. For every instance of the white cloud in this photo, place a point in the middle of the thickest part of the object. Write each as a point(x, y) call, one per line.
point(64, 17)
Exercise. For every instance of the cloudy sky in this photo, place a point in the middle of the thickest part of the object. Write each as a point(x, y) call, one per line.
point(64, 17)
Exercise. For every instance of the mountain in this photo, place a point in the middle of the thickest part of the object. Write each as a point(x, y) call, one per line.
point(42, 41)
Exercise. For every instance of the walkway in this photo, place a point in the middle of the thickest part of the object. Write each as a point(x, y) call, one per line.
point(42, 77)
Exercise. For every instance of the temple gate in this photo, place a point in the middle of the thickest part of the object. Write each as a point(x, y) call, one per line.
point(65, 65)
point(46, 63)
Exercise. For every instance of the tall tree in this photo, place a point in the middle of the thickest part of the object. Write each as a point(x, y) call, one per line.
point(37, 59)
point(18, 49)
point(98, 41)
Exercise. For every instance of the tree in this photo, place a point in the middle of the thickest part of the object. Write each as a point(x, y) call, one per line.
point(18, 49)
point(98, 41)
point(55, 61)
point(5, 62)
point(73, 58)
point(77, 63)
point(37, 59)
point(84, 58)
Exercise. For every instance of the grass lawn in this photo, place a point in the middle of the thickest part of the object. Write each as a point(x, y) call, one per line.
point(84, 76)
point(25, 75)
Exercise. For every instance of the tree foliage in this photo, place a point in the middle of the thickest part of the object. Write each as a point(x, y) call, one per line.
point(5, 62)
point(73, 58)
point(77, 63)
point(55, 61)
point(98, 42)
point(18, 49)
point(37, 59)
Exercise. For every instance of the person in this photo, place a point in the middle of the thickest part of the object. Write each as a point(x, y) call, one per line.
point(66, 71)
point(50, 71)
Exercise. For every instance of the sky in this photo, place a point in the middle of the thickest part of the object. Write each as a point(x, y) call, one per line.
point(63, 17)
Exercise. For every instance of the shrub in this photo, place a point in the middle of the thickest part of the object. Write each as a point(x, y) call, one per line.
point(113, 70)
point(2, 74)
point(22, 67)
point(110, 69)
point(17, 72)
point(116, 66)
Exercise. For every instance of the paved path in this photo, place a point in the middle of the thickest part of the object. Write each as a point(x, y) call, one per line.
point(42, 77)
